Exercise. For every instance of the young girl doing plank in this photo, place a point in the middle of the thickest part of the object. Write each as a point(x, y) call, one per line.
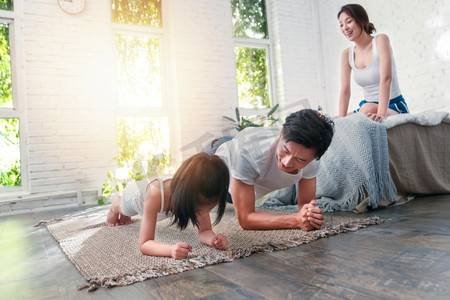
point(200, 184)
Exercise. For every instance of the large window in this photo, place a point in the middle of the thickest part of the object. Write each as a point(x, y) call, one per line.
point(10, 117)
point(143, 124)
point(252, 54)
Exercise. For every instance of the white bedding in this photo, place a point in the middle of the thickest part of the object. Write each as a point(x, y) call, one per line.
point(425, 118)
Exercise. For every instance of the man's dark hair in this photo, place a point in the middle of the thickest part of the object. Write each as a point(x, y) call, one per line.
point(309, 128)
point(200, 175)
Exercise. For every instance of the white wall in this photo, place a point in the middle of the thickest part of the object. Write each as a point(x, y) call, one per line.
point(69, 92)
point(202, 83)
point(295, 32)
point(68, 76)
point(68, 85)
point(419, 32)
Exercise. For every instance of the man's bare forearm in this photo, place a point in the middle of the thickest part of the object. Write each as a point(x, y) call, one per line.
point(264, 221)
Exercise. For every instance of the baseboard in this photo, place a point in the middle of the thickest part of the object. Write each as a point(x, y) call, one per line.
point(34, 202)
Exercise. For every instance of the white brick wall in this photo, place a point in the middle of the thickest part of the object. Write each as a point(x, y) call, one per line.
point(419, 34)
point(69, 94)
point(203, 80)
point(69, 78)
point(298, 70)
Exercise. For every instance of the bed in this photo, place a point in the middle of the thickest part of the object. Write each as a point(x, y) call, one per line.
point(419, 156)
point(370, 164)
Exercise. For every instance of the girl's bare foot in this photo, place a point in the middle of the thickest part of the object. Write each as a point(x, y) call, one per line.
point(115, 216)
point(111, 217)
point(124, 220)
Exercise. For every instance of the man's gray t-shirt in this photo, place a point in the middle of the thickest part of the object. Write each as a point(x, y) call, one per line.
point(251, 158)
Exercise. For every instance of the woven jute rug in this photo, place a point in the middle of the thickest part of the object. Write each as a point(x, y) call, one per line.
point(110, 256)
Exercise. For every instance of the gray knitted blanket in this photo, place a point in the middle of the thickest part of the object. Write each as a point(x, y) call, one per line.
point(355, 166)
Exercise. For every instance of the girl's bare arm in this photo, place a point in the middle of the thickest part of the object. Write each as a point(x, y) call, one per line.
point(207, 235)
point(147, 243)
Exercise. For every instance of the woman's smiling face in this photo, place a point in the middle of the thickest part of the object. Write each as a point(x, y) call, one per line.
point(349, 27)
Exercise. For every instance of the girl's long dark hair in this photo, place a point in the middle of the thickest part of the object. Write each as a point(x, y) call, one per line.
point(200, 175)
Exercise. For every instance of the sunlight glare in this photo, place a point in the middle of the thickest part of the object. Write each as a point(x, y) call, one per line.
point(443, 46)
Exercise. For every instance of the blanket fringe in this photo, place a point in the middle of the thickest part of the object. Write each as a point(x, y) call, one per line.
point(383, 188)
point(226, 256)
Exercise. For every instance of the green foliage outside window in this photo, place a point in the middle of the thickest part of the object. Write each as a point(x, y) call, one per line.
point(249, 19)
point(7, 4)
point(143, 145)
point(9, 152)
point(137, 12)
point(252, 77)
point(11, 175)
point(5, 68)
point(252, 67)
point(134, 132)
point(139, 71)
point(9, 127)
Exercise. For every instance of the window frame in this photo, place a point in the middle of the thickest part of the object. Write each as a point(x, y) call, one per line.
point(146, 112)
point(263, 43)
point(18, 94)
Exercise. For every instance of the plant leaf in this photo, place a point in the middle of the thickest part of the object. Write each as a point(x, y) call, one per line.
point(229, 119)
point(273, 110)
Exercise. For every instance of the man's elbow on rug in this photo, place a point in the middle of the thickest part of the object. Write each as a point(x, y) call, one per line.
point(252, 221)
point(244, 222)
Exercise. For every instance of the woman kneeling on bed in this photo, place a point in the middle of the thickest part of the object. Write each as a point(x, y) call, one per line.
point(198, 186)
point(372, 61)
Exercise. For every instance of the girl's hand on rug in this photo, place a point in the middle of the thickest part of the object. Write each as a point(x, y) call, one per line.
point(181, 250)
point(220, 242)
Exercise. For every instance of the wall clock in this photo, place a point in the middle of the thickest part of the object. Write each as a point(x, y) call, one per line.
point(72, 6)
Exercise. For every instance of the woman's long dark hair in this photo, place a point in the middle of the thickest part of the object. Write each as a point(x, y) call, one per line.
point(200, 175)
point(358, 13)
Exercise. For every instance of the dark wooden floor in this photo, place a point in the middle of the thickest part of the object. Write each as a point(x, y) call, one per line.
point(406, 258)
